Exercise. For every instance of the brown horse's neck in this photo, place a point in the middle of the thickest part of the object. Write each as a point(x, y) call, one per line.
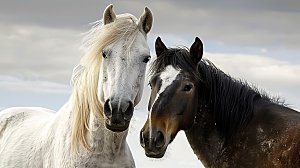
point(208, 143)
point(270, 139)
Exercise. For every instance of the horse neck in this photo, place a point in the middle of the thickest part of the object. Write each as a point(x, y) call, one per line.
point(219, 94)
point(99, 137)
point(103, 140)
point(271, 122)
point(204, 137)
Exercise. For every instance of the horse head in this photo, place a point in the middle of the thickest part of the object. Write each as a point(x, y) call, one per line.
point(123, 69)
point(174, 95)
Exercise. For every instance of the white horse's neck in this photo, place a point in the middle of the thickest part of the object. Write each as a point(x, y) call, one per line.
point(98, 135)
point(107, 147)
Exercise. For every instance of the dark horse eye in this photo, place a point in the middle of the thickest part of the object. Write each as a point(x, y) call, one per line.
point(187, 87)
point(150, 85)
point(104, 54)
point(147, 59)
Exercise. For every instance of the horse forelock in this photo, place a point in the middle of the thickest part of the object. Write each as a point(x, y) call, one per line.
point(179, 58)
point(85, 91)
point(124, 27)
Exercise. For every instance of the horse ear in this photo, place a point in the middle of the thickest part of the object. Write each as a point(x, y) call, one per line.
point(145, 21)
point(196, 50)
point(109, 15)
point(159, 47)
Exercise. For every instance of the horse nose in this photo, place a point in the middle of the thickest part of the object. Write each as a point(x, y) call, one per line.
point(155, 142)
point(129, 111)
point(118, 111)
point(107, 109)
point(144, 138)
point(159, 139)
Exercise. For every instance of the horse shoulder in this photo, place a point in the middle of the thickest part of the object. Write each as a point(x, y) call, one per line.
point(278, 134)
point(16, 115)
point(21, 135)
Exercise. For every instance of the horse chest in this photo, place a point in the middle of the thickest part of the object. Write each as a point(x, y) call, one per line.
point(106, 159)
point(108, 151)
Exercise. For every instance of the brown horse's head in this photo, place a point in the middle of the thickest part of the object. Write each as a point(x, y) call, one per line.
point(174, 96)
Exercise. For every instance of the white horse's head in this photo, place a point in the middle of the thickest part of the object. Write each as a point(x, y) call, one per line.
point(109, 81)
point(122, 72)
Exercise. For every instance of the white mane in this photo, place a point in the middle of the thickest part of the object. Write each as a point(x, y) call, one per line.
point(84, 96)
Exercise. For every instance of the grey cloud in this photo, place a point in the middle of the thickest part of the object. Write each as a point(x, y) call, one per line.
point(254, 5)
point(239, 27)
point(38, 53)
point(36, 86)
point(64, 14)
point(40, 40)
point(259, 23)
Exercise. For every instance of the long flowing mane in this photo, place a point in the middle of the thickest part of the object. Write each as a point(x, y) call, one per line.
point(230, 101)
point(84, 96)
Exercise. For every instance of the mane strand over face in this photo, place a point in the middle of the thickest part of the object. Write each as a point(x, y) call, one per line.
point(84, 97)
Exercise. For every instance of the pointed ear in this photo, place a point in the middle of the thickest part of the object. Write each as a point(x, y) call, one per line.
point(196, 50)
point(159, 47)
point(109, 15)
point(145, 21)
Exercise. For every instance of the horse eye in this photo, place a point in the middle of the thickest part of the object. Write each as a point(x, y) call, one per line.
point(187, 87)
point(104, 54)
point(147, 59)
point(150, 85)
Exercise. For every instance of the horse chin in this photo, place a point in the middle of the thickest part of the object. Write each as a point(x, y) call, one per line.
point(157, 155)
point(116, 128)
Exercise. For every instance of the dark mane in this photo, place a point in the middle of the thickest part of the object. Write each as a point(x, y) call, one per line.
point(230, 101)
point(179, 58)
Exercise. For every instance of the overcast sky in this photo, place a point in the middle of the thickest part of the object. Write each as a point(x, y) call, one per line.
point(257, 40)
point(49, 32)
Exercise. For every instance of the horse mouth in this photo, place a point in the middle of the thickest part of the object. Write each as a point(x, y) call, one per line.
point(117, 128)
point(157, 154)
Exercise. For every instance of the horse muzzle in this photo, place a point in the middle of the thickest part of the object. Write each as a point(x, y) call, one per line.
point(155, 146)
point(118, 115)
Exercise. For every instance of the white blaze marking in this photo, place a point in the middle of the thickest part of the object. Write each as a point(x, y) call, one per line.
point(167, 77)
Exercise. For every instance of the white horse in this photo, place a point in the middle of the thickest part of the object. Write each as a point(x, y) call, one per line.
point(90, 129)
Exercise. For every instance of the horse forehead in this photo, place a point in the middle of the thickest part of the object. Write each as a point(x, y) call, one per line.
point(128, 48)
point(168, 76)
point(128, 16)
point(141, 40)
point(138, 44)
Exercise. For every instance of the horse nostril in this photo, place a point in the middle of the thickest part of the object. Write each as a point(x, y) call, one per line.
point(129, 111)
point(142, 139)
point(159, 139)
point(107, 109)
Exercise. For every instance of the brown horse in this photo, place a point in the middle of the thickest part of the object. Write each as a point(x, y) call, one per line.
point(227, 122)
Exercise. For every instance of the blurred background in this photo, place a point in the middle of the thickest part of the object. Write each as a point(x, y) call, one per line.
point(257, 41)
